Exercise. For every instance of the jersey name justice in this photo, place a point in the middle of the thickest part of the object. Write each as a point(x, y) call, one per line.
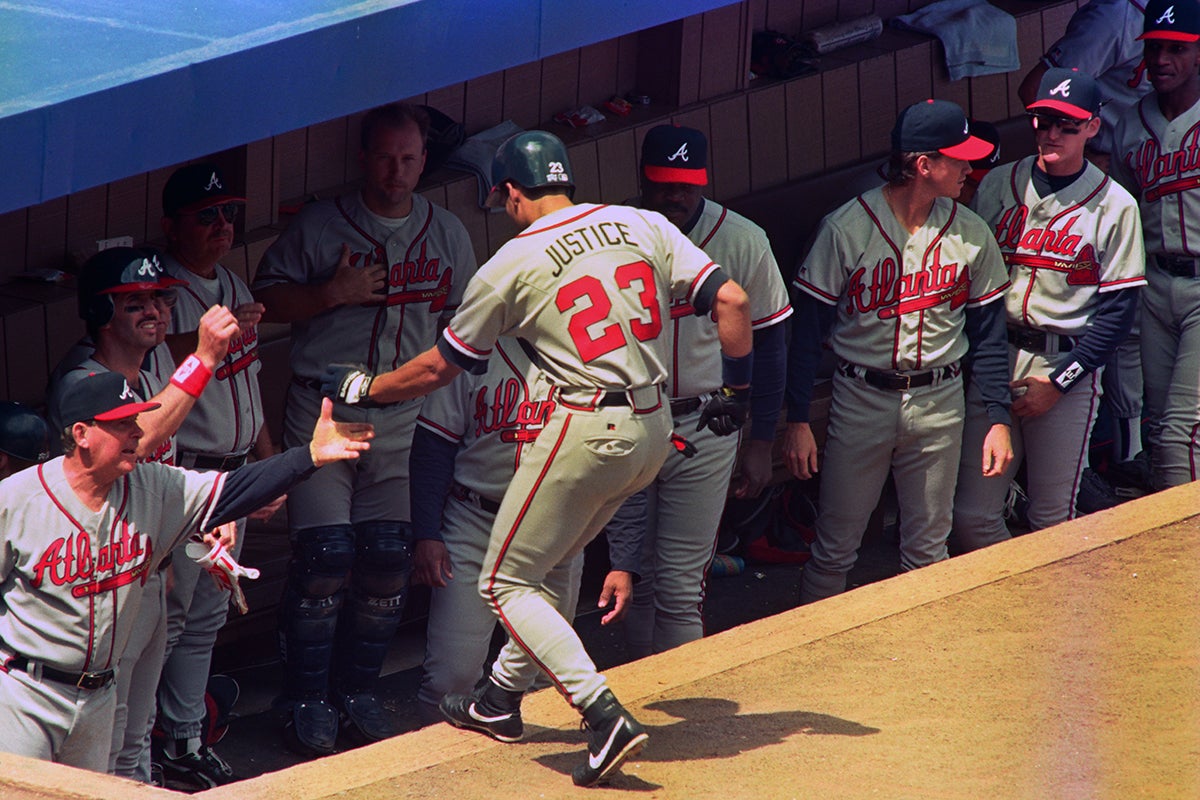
point(562, 251)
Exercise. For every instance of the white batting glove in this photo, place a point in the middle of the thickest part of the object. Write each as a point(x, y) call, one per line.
point(224, 569)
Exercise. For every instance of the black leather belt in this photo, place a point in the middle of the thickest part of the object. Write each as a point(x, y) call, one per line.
point(894, 381)
point(219, 463)
point(1179, 266)
point(1035, 341)
point(684, 406)
point(466, 495)
point(84, 680)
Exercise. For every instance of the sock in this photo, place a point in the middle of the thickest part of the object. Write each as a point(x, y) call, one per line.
point(181, 747)
point(1128, 440)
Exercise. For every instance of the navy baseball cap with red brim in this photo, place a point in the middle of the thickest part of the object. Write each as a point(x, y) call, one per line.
point(1173, 20)
point(1069, 92)
point(937, 126)
point(102, 396)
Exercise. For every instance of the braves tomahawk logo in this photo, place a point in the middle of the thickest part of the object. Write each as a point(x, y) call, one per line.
point(67, 561)
point(890, 294)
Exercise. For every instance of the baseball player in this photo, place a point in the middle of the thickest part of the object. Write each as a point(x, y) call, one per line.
point(1072, 240)
point(1101, 40)
point(470, 437)
point(24, 438)
point(225, 426)
point(898, 275)
point(589, 288)
point(367, 278)
point(80, 535)
point(677, 518)
point(1154, 157)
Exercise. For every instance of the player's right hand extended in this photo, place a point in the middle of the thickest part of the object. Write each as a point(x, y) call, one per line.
point(800, 450)
point(217, 327)
point(352, 285)
point(349, 384)
point(338, 441)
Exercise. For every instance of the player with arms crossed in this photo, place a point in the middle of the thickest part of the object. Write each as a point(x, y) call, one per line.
point(1072, 240)
point(906, 272)
point(588, 286)
point(1155, 158)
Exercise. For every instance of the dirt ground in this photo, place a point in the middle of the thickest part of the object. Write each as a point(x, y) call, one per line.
point(1047, 667)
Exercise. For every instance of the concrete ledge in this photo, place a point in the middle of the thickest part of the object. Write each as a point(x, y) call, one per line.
point(638, 682)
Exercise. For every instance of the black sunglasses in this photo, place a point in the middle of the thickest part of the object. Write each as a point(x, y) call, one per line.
point(1069, 126)
point(208, 216)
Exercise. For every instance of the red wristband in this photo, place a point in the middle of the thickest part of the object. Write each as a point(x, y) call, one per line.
point(192, 376)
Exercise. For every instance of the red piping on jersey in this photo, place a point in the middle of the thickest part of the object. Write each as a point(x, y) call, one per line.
point(713, 232)
point(771, 319)
point(520, 376)
point(480, 354)
point(491, 582)
point(900, 266)
point(441, 430)
point(531, 232)
point(700, 279)
point(1138, 281)
point(813, 290)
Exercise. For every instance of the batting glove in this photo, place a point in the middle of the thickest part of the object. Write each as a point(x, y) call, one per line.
point(725, 411)
point(347, 384)
point(224, 569)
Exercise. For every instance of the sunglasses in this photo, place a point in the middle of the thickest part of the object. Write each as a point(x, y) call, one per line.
point(208, 216)
point(1069, 127)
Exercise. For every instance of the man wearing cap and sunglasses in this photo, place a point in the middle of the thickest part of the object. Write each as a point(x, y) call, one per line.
point(1072, 240)
point(81, 534)
point(895, 278)
point(223, 429)
point(1156, 158)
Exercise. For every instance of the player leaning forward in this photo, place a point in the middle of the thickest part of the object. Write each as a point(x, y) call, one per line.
point(895, 278)
point(1072, 240)
point(588, 286)
point(80, 534)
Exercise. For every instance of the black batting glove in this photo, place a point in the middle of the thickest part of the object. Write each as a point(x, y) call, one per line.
point(349, 384)
point(725, 411)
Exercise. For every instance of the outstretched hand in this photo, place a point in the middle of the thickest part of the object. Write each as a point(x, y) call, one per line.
point(338, 441)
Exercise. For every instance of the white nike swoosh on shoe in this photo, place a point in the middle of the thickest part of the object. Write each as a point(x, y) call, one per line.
point(475, 715)
point(594, 761)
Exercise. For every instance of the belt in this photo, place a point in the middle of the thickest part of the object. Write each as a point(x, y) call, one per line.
point(84, 680)
point(460, 492)
point(895, 381)
point(1036, 341)
point(642, 400)
point(219, 463)
point(1179, 266)
point(683, 406)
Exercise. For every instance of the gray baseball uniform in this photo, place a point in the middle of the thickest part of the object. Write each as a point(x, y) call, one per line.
point(1065, 251)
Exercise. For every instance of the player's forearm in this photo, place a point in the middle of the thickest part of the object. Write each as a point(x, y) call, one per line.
point(294, 302)
point(416, 377)
point(731, 307)
point(624, 534)
point(1109, 327)
point(811, 324)
point(253, 485)
point(988, 351)
point(766, 389)
point(431, 473)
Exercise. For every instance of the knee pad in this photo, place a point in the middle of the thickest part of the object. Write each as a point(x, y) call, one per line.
point(321, 560)
point(383, 559)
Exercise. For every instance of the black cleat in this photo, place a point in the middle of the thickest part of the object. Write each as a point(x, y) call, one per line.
point(613, 736)
point(490, 710)
point(203, 767)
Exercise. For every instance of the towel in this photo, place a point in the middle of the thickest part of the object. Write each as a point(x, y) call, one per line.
point(476, 153)
point(979, 39)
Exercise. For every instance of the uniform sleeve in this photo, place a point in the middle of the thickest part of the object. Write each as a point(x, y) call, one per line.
point(431, 473)
point(624, 533)
point(468, 340)
point(1125, 251)
point(289, 259)
point(1092, 42)
point(693, 274)
point(989, 276)
point(767, 381)
point(257, 483)
point(1109, 327)
point(822, 274)
point(810, 328)
point(988, 354)
point(465, 263)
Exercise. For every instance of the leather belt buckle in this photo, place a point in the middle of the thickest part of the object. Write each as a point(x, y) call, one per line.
point(890, 381)
point(94, 680)
point(681, 407)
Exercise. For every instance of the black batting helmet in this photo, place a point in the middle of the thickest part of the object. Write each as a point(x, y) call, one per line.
point(23, 434)
point(532, 160)
point(114, 271)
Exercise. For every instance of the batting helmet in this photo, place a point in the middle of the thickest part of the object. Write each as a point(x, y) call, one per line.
point(23, 434)
point(114, 271)
point(532, 160)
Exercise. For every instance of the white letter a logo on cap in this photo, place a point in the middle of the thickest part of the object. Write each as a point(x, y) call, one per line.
point(680, 153)
point(1168, 16)
point(1063, 88)
point(213, 183)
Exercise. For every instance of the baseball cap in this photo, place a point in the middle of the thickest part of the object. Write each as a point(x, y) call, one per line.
point(1069, 92)
point(196, 187)
point(937, 126)
point(672, 154)
point(103, 396)
point(1177, 20)
point(990, 134)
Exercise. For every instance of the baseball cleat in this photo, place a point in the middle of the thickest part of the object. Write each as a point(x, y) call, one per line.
point(489, 710)
point(613, 737)
point(201, 767)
